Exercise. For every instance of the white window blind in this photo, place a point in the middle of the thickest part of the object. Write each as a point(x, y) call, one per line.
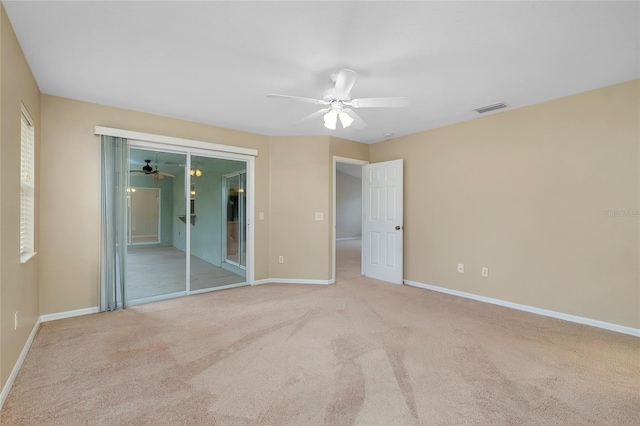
point(27, 185)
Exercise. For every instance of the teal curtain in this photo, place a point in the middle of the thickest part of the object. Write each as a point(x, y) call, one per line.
point(113, 219)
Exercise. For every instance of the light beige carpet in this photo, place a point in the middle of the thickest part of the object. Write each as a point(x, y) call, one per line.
point(358, 352)
point(348, 259)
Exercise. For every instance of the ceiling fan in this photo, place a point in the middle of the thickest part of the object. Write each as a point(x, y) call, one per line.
point(148, 170)
point(339, 104)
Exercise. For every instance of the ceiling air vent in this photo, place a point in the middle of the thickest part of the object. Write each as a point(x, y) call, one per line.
point(489, 108)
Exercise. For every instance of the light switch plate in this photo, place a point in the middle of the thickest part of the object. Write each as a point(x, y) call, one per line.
point(261, 215)
point(319, 216)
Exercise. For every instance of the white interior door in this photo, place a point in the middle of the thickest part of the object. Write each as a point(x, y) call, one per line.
point(382, 239)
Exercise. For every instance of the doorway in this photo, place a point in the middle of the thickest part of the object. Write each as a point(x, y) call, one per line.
point(144, 215)
point(382, 229)
point(190, 249)
point(235, 211)
point(347, 217)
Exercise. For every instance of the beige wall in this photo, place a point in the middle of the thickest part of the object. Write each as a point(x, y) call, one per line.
point(299, 189)
point(348, 149)
point(301, 185)
point(70, 194)
point(18, 282)
point(525, 193)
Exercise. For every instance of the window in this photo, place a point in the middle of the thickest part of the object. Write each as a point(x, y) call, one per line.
point(27, 187)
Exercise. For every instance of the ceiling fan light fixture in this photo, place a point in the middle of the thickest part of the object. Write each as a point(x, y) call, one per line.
point(345, 119)
point(331, 119)
point(338, 103)
point(195, 172)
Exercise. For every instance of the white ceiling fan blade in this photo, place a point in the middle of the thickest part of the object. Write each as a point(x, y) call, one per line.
point(166, 174)
point(358, 123)
point(312, 116)
point(380, 102)
point(135, 171)
point(299, 99)
point(344, 83)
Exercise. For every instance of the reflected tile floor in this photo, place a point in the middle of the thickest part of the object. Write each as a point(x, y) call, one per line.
point(154, 271)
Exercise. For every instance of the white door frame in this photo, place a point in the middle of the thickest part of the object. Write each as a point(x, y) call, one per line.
point(336, 160)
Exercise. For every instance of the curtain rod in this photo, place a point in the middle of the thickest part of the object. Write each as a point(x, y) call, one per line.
point(170, 140)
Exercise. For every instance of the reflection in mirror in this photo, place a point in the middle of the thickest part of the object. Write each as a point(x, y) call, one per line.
point(158, 262)
point(192, 194)
point(144, 215)
point(156, 267)
point(243, 202)
point(208, 266)
point(235, 198)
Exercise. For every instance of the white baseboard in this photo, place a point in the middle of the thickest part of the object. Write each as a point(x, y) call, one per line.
point(348, 238)
point(69, 314)
point(547, 313)
point(291, 281)
point(16, 368)
point(222, 287)
point(168, 296)
point(152, 299)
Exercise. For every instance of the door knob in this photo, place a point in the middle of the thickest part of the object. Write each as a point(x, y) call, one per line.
point(398, 227)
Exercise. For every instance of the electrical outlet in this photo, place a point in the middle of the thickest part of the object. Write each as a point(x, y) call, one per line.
point(261, 216)
point(281, 259)
point(461, 268)
point(485, 272)
point(15, 321)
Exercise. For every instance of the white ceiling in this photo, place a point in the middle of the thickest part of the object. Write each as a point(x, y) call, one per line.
point(215, 62)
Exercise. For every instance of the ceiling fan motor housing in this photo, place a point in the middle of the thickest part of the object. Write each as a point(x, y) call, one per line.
point(147, 167)
point(329, 95)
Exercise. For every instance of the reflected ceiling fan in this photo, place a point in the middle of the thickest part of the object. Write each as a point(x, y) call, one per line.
point(148, 170)
point(339, 104)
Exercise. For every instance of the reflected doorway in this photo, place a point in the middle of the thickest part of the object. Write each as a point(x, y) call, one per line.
point(235, 219)
point(144, 215)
